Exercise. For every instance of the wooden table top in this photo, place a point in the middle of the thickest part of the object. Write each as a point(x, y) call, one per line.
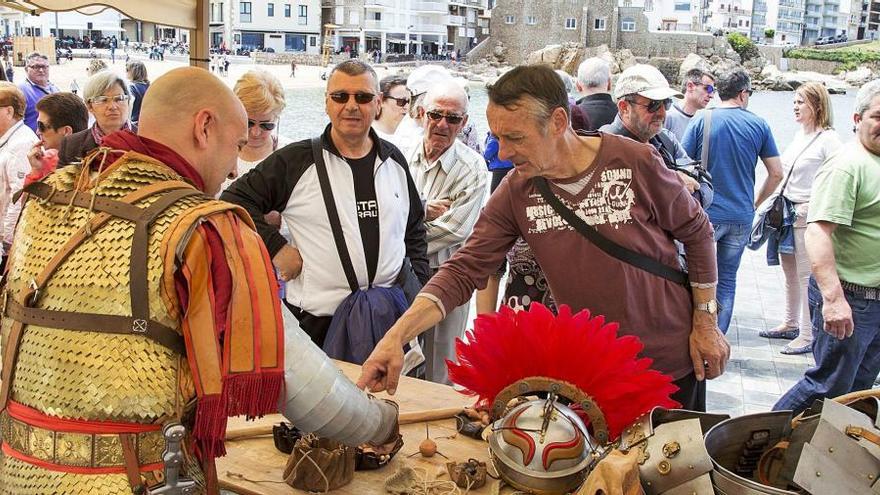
point(254, 467)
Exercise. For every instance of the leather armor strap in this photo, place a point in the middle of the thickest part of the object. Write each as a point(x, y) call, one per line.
point(82, 199)
point(10, 352)
point(132, 469)
point(140, 251)
point(94, 322)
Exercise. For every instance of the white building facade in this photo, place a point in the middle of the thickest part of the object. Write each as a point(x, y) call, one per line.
point(62, 24)
point(730, 16)
point(278, 25)
point(406, 27)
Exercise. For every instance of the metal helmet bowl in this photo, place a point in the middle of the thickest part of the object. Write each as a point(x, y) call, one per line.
point(541, 447)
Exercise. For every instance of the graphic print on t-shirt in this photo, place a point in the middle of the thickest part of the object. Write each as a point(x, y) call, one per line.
point(368, 209)
point(609, 202)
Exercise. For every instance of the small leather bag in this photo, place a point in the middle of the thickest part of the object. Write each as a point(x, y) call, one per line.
point(319, 465)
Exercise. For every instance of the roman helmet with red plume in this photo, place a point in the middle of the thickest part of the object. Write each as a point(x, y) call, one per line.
point(576, 356)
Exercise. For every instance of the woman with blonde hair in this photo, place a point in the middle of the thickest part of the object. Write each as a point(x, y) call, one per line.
point(262, 95)
point(813, 143)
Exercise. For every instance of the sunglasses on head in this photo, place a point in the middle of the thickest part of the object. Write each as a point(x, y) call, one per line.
point(401, 102)
point(359, 98)
point(265, 125)
point(451, 119)
point(654, 105)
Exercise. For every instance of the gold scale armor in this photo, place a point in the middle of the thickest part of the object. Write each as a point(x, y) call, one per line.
point(115, 375)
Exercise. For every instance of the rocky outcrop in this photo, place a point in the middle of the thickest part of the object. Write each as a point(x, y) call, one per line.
point(566, 56)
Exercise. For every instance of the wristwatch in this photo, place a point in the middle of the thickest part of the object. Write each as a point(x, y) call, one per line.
point(710, 306)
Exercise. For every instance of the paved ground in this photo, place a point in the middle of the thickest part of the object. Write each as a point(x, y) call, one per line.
point(757, 374)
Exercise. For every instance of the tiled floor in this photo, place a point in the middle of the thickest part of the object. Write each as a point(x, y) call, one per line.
point(757, 374)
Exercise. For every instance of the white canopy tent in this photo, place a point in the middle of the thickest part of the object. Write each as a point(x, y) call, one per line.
point(185, 14)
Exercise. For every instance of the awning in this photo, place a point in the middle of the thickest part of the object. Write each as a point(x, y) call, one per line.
point(186, 14)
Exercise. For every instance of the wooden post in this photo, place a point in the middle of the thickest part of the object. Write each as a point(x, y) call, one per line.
point(200, 42)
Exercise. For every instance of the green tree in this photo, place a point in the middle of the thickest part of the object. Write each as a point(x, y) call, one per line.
point(743, 46)
point(769, 33)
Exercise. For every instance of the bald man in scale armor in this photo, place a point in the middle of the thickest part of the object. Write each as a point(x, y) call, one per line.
point(124, 311)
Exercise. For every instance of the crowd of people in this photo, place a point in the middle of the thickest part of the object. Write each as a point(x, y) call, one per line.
point(635, 200)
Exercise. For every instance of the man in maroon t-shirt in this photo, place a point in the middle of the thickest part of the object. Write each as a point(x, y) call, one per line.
point(624, 191)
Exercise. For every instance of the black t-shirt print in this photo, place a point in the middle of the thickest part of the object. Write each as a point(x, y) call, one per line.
point(362, 170)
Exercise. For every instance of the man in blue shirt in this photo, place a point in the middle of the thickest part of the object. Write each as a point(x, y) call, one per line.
point(737, 138)
point(35, 86)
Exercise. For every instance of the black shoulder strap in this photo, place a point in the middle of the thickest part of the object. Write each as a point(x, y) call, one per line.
point(610, 247)
point(333, 214)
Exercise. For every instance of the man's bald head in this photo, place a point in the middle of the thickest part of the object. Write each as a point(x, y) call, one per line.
point(181, 93)
point(198, 116)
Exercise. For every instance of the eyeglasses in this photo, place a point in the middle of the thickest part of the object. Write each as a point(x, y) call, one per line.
point(401, 102)
point(359, 98)
point(105, 100)
point(654, 105)
point(709, 88)
point(41, 127)
point(451, 119)
point(265, 125)
point(38, 67)
point(749, 91)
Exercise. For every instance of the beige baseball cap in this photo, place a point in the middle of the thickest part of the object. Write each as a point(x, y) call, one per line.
point(644, 80)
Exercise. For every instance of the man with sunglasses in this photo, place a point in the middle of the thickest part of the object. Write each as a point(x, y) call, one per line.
point(35, 86)
point(452, 178)
point(643, 99)
point(379, 208)
point(698, 89)
point(737, 138)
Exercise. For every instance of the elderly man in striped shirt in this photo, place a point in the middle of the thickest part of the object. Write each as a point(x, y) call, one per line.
point(452, 179)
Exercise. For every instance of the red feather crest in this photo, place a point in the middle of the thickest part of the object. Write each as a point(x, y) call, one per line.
point(507, 346)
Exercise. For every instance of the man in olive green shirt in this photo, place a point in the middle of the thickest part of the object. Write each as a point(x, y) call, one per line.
point(843, 242)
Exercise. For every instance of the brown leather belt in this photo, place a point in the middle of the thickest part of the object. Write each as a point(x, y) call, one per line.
point(78, 450)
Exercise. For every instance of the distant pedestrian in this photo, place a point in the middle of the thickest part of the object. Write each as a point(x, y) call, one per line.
point(10, 72)
point(74, 86)
point(225, 65)
point(293, 68)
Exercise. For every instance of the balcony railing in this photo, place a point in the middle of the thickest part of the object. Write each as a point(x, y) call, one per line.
point(378, 4)
point(456, 20)
point(429, 7)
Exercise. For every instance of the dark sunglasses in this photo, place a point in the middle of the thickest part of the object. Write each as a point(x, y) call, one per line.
point(451, 119)
point(266, 126)
point(654, 105)
point(709, 88)
point(401, 102)
point(359, 98)
point(749, 91)
point(42, 127)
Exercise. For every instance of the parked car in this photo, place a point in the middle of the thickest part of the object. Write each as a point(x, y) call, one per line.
point(822, 40)
point(841, 38)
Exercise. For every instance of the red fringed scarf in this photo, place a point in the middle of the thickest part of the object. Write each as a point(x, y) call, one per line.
point(233, 331)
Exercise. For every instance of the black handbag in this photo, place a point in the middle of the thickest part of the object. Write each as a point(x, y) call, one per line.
point(775, 216)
